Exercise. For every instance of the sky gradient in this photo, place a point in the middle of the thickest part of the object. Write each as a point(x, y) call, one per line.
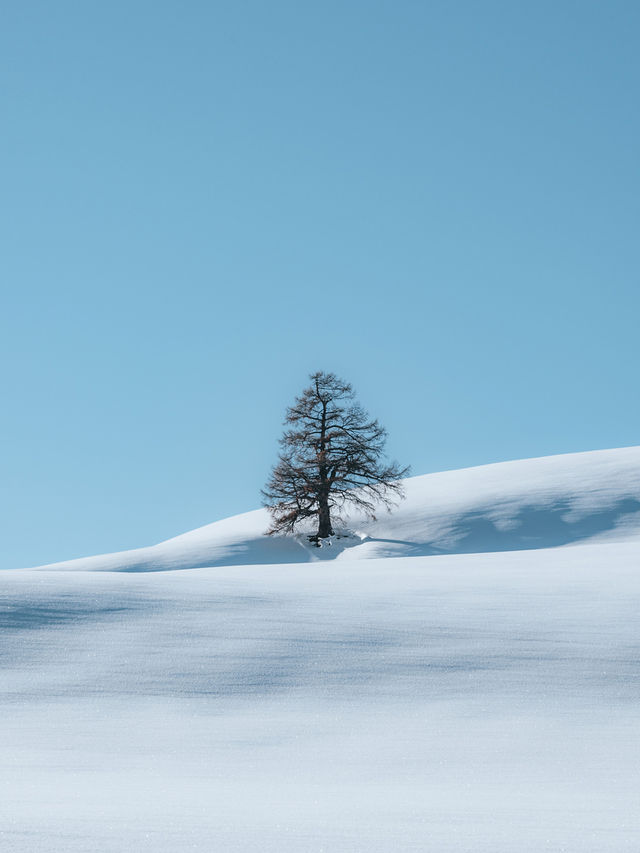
point(202, 203)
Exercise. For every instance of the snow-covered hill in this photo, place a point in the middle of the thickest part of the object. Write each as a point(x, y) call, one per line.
point(444, 702)
point(533, 503)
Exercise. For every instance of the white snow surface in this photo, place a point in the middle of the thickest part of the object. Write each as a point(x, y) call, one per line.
point(532, 503)
point(472, 702)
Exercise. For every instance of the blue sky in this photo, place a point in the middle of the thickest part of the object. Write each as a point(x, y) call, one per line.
point(204, 202)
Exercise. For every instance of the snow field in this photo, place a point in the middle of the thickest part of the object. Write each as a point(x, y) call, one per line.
point(483, 702)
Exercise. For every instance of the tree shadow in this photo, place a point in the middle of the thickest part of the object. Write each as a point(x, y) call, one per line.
point(530, 528)
point(537, 527)
point(262, 550)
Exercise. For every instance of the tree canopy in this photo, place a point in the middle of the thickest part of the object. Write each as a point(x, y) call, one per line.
point(332, 455)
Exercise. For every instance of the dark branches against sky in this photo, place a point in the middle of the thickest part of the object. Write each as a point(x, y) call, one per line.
point(332, 454)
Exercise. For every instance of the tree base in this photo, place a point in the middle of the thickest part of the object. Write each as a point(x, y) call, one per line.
point(319, 541)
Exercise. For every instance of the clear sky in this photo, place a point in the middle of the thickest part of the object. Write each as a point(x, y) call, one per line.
point(202, 202)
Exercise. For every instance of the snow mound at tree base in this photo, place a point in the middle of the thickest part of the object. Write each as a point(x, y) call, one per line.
point(508, 506)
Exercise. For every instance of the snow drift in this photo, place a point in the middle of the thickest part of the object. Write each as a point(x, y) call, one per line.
point(528, 504)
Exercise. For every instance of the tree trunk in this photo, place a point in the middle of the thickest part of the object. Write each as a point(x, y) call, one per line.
point(324, 518)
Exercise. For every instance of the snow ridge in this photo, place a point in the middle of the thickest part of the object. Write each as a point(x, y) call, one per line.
point(508, 506)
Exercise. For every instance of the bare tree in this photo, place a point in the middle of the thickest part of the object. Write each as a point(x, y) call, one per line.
point(331, 455)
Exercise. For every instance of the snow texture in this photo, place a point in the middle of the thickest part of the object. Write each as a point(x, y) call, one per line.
point(483, 702)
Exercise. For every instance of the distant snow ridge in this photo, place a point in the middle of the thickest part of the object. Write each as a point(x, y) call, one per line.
point(532, 503)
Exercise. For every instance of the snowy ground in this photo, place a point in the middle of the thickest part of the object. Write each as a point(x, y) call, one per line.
point(468, 702)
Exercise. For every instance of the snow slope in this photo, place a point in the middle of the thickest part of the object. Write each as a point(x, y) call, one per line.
point(483, 702)
point(533, 503)
point(458, 703)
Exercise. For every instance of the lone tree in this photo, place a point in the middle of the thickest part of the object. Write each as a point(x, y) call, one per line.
point(331, 455)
